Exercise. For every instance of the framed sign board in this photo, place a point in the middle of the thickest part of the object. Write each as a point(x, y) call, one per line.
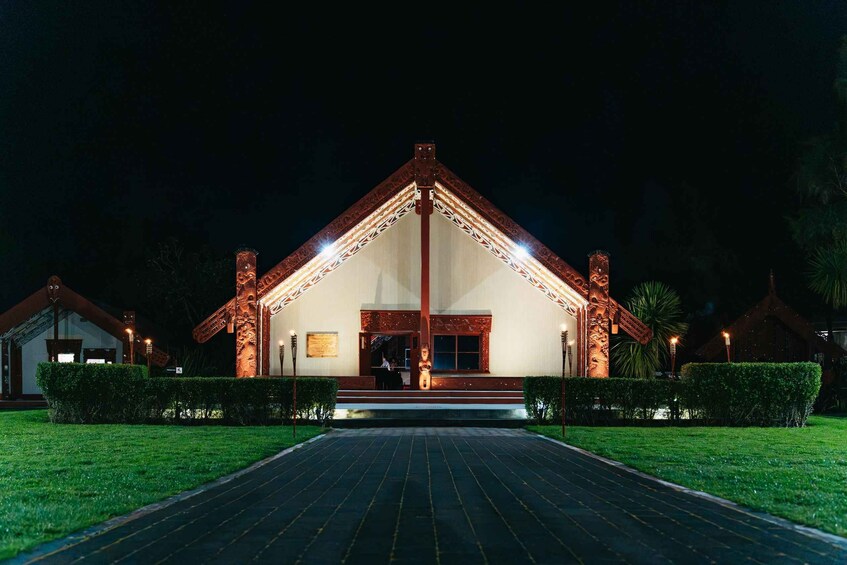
point(321, 344)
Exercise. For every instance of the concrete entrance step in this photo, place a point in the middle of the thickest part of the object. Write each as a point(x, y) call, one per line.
point(415, 399)
point(376, 408)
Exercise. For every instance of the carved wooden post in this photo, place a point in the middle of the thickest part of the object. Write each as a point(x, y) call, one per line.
point(265, 350)
point(424, 163)
point(54, 287)
point(598, 314)
point(246, 350)
point(3, 393)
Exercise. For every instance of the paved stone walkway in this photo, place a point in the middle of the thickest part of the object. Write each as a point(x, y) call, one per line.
point(444, 495)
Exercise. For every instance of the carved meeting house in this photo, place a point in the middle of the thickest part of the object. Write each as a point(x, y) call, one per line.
point(422, 259)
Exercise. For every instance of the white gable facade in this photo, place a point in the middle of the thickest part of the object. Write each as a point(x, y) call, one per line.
point(465, 279)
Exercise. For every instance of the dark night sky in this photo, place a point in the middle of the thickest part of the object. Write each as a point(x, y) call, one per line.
point(665, 133)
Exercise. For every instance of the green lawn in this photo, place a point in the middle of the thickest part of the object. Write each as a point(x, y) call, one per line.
point(796, 473)
point(59, 478)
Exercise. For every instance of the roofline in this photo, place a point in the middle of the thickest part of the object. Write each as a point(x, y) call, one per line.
point(70, 300)
point(378, 196)
point(774, 306)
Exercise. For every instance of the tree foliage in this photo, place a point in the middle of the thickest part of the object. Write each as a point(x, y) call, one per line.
point(828, 274)
point(659, 307)
point(181, 288)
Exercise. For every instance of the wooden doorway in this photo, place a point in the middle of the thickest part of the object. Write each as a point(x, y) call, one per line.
point(16, 372)
point(399, 348)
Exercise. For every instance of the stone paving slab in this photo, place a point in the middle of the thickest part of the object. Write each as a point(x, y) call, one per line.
point(444, 495)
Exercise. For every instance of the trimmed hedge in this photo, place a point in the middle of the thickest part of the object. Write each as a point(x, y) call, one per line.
point(78, 393)
point(752, 394)
point(726, 394)
point(594, 401)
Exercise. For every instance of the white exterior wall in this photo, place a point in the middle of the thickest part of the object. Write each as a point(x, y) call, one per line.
point(72, 327)
point(465, 279)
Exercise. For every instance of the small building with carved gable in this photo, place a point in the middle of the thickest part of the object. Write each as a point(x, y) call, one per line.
point(57, 324)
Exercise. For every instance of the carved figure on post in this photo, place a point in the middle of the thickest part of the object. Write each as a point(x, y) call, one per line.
point(424, 367)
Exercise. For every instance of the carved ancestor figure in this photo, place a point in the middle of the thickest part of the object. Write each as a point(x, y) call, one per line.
point(424, 366)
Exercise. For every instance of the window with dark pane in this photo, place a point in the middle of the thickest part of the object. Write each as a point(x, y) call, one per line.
point(444, 353)
point(456, 353)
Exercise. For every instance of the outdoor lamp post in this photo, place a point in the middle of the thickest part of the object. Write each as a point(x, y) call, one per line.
point(281, 356)
point(674, 341)
point(570, 358)
point(726, 342)
point(131, 346)
point(294, 376)
point(149, 349)
point(564, 336)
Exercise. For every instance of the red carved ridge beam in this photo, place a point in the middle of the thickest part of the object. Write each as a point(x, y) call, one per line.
point(354, 215)
point(424, 165)
point(401, 178)
point(482, 206)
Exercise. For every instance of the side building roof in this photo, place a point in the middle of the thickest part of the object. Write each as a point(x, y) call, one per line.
point(34, 314)
point(770, 305)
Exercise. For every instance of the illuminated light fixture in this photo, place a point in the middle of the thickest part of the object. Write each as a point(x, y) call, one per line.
point(131, 346)
point(570, 357)
point(148, 343)
point(66, 357)
point(521, 252)
point(674, 341)
point(327, 249)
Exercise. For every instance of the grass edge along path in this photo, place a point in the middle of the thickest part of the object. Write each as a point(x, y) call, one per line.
point(57, 479)
point(795, 473)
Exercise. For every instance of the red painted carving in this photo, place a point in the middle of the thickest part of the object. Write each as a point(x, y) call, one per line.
point(342, 224)
point(424, 165)
point(54, 288)
point(246, 350)
point(393, 321)
point(629, 323)
point(266, 340)
point(475, 383)
point(598, 315)
point(512, 230)
point(580, 342)
point(459, 324)
point(401, 178)
point(404, 176)
point(390, 321)
point(424, 368)
point(407, 321)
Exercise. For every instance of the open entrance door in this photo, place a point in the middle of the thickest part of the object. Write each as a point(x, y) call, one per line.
point(389, 357)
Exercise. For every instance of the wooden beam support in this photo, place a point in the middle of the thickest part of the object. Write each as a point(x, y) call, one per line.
point(424, 164)
point(598, 314)
point(246, 318)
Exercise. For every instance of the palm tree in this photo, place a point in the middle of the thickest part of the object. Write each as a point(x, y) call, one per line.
point(659, 307)
point(828, 277)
